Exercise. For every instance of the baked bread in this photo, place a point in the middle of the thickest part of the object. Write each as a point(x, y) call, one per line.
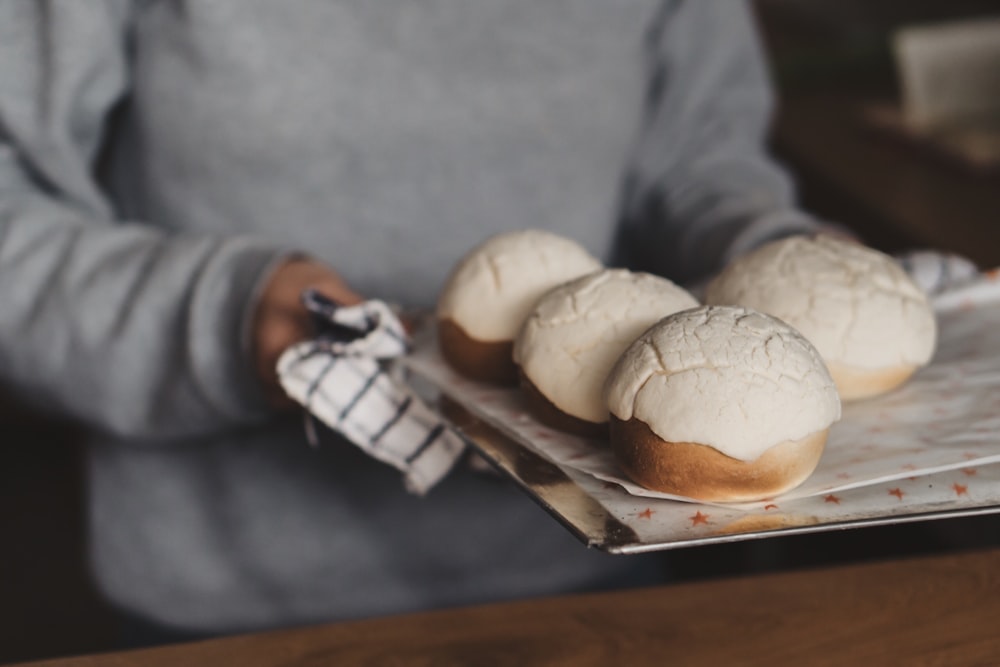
point(576, 333)
point(720, 404)
point(492, 290)
point(871, 323)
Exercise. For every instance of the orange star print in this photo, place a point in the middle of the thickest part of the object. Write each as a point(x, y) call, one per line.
point(897, 492)
point(698, 518)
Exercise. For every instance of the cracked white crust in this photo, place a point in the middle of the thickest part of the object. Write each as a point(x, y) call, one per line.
point(856, 305)
point(494, 287)
point(730, 378)
point(578, 330)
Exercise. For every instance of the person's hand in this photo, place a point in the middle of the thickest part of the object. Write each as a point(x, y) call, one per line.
point(280, 320)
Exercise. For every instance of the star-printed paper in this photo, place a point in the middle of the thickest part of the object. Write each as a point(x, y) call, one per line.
point(927, 444)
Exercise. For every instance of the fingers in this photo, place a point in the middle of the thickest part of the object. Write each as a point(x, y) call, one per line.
point(280, 320)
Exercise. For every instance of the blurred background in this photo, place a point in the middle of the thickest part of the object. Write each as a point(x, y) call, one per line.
point(890, 117)
point(891, 125)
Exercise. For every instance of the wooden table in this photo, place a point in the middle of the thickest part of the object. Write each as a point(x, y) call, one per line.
point(941, 610)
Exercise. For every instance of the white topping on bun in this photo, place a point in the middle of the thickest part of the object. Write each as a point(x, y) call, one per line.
point(856, 305)
point(729, 378)
point(577, 331)
point(492, 290)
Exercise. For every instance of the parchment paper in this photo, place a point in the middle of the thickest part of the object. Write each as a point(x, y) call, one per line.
point(947, 418)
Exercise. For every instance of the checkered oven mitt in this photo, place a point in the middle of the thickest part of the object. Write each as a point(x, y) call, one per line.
point(340, 377)
point(937, 272)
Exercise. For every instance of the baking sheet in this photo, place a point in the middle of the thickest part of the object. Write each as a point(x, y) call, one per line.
point(928, 450)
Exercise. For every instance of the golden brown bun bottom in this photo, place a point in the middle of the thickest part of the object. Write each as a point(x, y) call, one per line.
point(546, 412)
point(704, 473)
point(855, 383)
point(483, 361)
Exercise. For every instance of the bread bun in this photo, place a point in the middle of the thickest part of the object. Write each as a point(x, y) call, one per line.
point(720, 404)
point(871, 323)
point(547, 413)
point(576, 333)
point(490, 292)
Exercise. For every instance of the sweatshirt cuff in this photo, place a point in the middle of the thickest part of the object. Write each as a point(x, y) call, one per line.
point(220, 327)
point(769, 228)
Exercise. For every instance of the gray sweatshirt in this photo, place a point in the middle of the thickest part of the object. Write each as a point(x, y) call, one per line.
point(157, 157)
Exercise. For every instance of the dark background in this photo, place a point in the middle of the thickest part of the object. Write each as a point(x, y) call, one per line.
point(832, 61)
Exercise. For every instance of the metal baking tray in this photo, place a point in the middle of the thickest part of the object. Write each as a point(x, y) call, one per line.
point(604, 516)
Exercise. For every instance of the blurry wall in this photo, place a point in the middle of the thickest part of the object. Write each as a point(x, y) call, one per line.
point(842, 131)
point(47, 605)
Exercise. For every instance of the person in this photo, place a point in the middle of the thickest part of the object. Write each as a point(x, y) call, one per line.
point(174, 174)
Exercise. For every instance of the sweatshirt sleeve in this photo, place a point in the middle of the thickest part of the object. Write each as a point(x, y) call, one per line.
point(700, 187)
point(107, 321)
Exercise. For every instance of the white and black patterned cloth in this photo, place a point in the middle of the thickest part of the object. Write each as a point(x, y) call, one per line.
point(340, 377)
point(937, 272)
